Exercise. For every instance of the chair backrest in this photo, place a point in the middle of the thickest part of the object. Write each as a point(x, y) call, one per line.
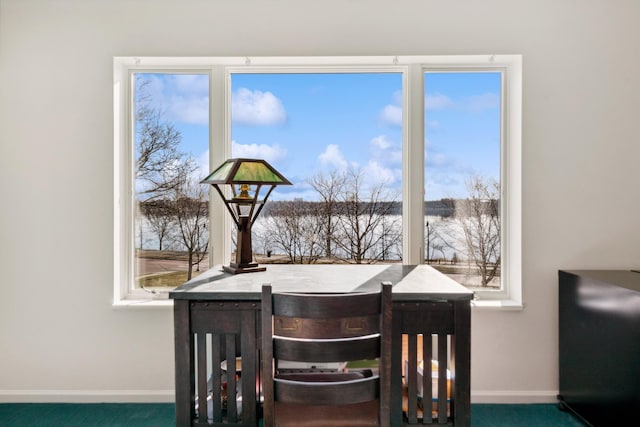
point(324, 328)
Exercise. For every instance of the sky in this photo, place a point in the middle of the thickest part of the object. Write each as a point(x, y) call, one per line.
point(305, 124)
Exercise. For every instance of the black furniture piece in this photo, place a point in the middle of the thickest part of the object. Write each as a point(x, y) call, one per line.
point(217, 318)
point(326, 328)
point(599, 345)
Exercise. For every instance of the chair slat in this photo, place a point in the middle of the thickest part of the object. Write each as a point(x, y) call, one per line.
point(412, 378)
point(442, 378)
point(327, 351)
point(202, 375)
point(336, 327)
point(232, 411)
point(326, 305)
point(216, 383)
point(327, 393)
point(427, 391)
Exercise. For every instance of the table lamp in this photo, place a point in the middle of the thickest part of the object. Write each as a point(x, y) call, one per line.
point(246, 178)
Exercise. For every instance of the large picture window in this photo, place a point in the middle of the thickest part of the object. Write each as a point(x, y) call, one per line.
point(392, 159)
point(338, 138)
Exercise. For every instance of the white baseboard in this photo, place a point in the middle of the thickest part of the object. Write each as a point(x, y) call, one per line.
point(168, 396)
point(514, 396)
point(87, 396)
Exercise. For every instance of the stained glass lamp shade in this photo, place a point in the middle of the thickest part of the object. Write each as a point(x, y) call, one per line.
point(248, 179)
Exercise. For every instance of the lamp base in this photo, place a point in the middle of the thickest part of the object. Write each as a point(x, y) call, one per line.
point(244, 268)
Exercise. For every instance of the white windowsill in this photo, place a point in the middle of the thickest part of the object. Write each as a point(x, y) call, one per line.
point(142, 303)
point(506, 305)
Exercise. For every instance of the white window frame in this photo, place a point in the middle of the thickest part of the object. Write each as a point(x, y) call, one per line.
point(510, 67)
point(412, 69)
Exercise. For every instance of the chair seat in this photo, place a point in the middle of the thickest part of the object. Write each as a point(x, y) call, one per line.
point(325, 376)
point(356, 415)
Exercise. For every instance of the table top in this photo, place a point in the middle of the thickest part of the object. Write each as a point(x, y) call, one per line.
point(410, 282)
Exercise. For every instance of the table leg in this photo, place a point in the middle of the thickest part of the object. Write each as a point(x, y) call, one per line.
point(396, 370)
point(461, 349)
point(184, 368)
point(250, 398)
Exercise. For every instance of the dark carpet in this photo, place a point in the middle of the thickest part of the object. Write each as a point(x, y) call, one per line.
point(162, 414)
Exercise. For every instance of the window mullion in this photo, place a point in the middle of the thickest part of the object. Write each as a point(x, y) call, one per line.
point(219, 151)
point(413, 166)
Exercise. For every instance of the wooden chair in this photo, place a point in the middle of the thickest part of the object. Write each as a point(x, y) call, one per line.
point(325, 328)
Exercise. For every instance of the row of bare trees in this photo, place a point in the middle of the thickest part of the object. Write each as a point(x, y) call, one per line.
point(348, 223)
point(362, 225)
point(351, 221)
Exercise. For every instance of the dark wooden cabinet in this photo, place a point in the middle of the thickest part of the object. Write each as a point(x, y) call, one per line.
point(599, 345)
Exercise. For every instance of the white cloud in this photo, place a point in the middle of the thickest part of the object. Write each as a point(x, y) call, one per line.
point(397, 97)
point(383, 166)
point(385, 163)
point(478, 103)
point(333, 157)
point(433, 159)
point(391, 115)
point(150, 88)
point(180, 98)
point(380, 142)
point(474, 103)
point(190, 109)
point(270, 153)
point(192, 83)
point(378, 173)
point(385, 150)
point(202, 163)
point(437, 101)
point(257, 108)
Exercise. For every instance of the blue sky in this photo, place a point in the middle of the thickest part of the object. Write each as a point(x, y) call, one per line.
point(304, 124)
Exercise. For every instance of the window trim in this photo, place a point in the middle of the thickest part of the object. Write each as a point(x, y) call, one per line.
point(412, 69)
point(510, 66)
point(124, 137)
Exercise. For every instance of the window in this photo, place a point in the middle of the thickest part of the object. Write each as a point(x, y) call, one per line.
point(170, 155)
point(322, 121)
point(462, 176)
point(338, 138)
point(165, 236)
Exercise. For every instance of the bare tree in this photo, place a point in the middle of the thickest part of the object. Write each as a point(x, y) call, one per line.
point(329, 189)
point(159, 218)
point(436, 241)
point(360, 226)
point(190, 210)
point(391, 238)
point(479, 218)
point(294, 228)
point(160, 166)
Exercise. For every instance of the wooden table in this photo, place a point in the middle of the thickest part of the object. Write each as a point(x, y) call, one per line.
point(217, 318)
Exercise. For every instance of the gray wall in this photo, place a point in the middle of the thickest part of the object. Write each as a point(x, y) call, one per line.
point(61, 339)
